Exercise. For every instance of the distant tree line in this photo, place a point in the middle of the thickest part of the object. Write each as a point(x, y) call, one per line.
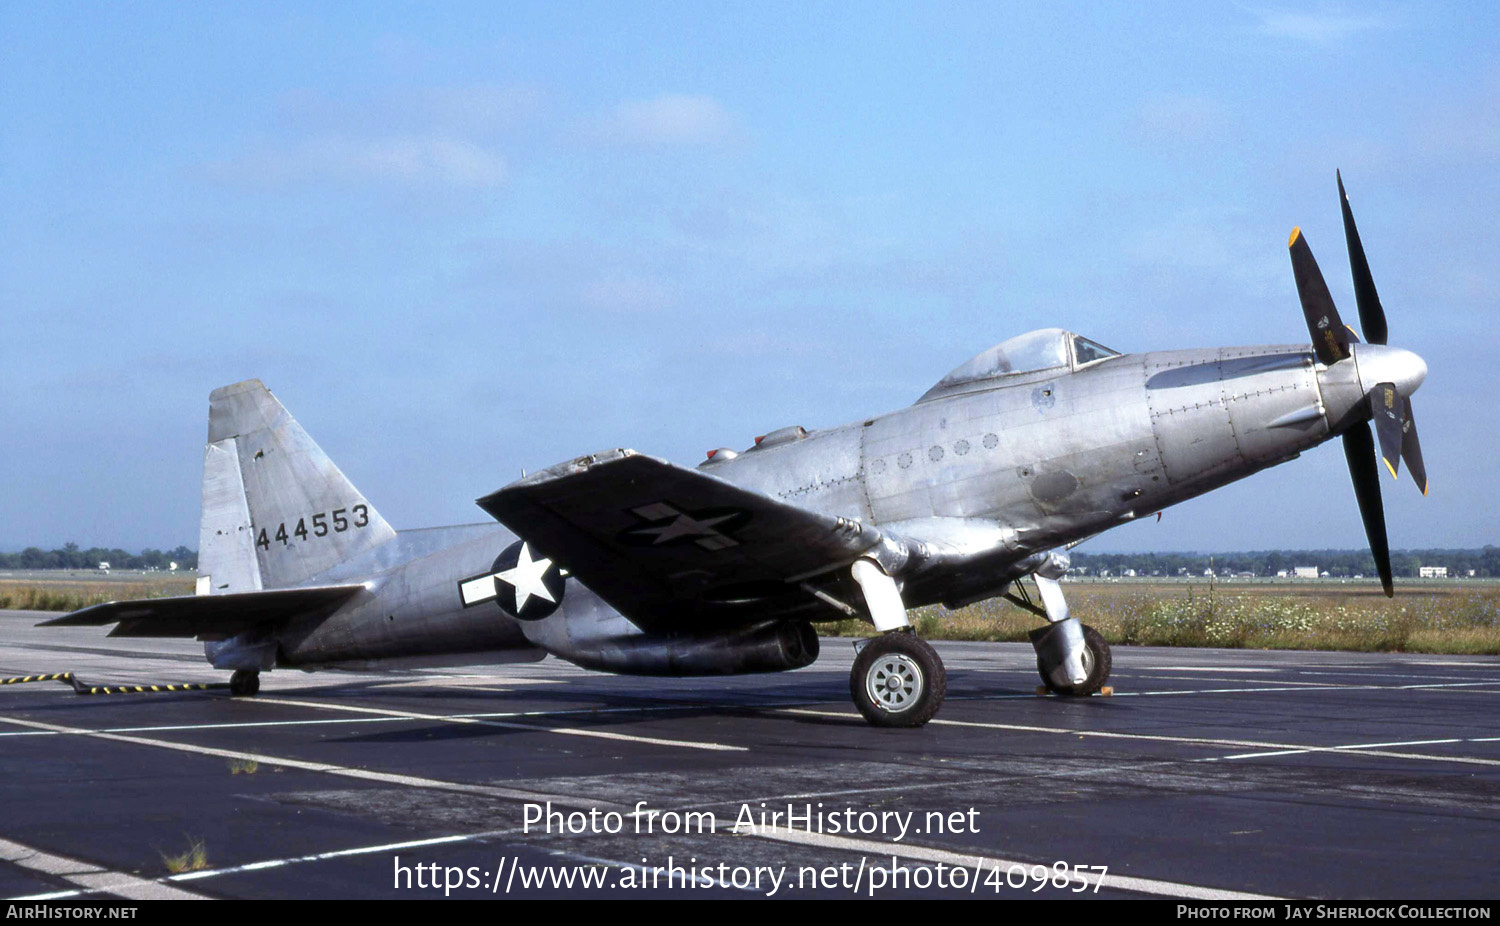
point(72, 557)
point(1342, 563)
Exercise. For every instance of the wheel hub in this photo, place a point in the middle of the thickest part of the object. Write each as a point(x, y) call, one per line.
point(895, 682)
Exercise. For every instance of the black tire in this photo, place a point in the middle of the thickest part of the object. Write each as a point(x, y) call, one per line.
point(908, 659)
point(244, 683)
point(1096, 660)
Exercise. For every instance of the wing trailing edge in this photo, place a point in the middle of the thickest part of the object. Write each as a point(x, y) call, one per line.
point(207, 617)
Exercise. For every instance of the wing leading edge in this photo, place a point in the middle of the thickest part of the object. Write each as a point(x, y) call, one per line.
point(672, 548)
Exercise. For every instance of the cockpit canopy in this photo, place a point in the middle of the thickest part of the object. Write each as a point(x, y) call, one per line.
point(1043, 349)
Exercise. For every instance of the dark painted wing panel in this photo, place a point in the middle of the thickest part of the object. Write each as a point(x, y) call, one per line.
point(672, 548)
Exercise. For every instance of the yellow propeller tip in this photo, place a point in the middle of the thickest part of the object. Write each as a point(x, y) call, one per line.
point(1394, 474)
point(1296, 231)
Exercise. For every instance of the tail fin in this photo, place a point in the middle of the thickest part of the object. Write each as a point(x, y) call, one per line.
point(276, 511)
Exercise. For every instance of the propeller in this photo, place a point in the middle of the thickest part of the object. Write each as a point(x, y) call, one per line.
point(1387, 406)
point(1371, 315)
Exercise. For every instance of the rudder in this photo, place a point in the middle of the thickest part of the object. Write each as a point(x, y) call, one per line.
point(276, 510)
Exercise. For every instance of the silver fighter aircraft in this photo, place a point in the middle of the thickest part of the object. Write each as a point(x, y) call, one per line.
point(623, 562)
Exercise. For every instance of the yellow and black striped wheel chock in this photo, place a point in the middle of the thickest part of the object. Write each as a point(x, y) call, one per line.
point(67, 678)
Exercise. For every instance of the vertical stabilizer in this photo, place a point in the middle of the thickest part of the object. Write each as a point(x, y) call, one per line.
point(276, 510)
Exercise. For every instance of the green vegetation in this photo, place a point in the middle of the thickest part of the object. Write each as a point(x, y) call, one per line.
point(1432, 620)
point(73, 593)
point(195, 858)
point(71, 557)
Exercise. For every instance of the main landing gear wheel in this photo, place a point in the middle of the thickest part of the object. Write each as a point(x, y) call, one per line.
point(1096, 662)
point(898, 680)
point(244, 683)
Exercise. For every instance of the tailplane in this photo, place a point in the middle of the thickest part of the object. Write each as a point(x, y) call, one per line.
point(276, 510)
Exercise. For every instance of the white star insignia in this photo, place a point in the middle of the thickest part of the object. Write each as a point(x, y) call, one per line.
point(527, 576)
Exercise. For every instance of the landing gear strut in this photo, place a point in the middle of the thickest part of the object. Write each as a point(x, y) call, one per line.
point(1071, 657)
point(244, 683)
point(898, 679)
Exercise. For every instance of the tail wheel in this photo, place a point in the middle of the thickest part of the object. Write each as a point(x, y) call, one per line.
point(898, 681)
point(1096, 662)
point(244, 683)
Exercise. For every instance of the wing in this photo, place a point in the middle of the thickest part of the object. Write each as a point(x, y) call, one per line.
point(673, 548)
point(207, 617)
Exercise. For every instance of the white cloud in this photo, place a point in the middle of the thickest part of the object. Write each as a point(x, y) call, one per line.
point(434, 160)
point(1326, 27)
point(419, 136)
point(674, 119)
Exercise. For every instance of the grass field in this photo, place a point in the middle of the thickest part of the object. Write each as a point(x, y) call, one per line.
point(1459, 617)
point(69, 591)
point(1438, 617)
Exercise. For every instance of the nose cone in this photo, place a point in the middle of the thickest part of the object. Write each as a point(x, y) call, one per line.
point(1381, 364)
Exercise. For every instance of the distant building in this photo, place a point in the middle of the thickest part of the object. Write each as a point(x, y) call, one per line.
point(104, 566)
point(1432, 572)
point(1304, 572)
point(1281, 573)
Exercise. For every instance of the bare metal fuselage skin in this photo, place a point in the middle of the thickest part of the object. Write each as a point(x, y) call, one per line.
point(980, 478)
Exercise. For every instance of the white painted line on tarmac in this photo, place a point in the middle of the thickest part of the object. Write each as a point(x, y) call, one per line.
point(1286, 748)
point(1287, 687)
point(986, 864)
point(1367, 673)
point(1360, 747)
point(90, 877)
point(414, 781)
point(294, 860)
point(1205, 669)
point(1461, 665)
point(533, 728)
point(1261, 683)
point(335, 721)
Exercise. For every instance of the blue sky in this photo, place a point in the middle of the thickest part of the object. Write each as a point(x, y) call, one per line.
point(461, 239)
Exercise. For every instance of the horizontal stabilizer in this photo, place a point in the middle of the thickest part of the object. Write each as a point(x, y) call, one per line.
point(207, 617)
point(669, 547)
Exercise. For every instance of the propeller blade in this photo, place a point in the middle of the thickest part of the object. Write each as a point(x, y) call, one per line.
point(1389, 415)
point(1359, 450)
point(1411, 448)
point(1329, 335)
point(1371, 315)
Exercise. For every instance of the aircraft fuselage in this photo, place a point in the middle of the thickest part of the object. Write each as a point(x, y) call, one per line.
point(986, 477)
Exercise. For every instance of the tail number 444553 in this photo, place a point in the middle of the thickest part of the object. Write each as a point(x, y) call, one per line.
point(318, 525)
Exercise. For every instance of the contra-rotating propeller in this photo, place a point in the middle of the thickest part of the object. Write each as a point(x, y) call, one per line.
point(1388, 370)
